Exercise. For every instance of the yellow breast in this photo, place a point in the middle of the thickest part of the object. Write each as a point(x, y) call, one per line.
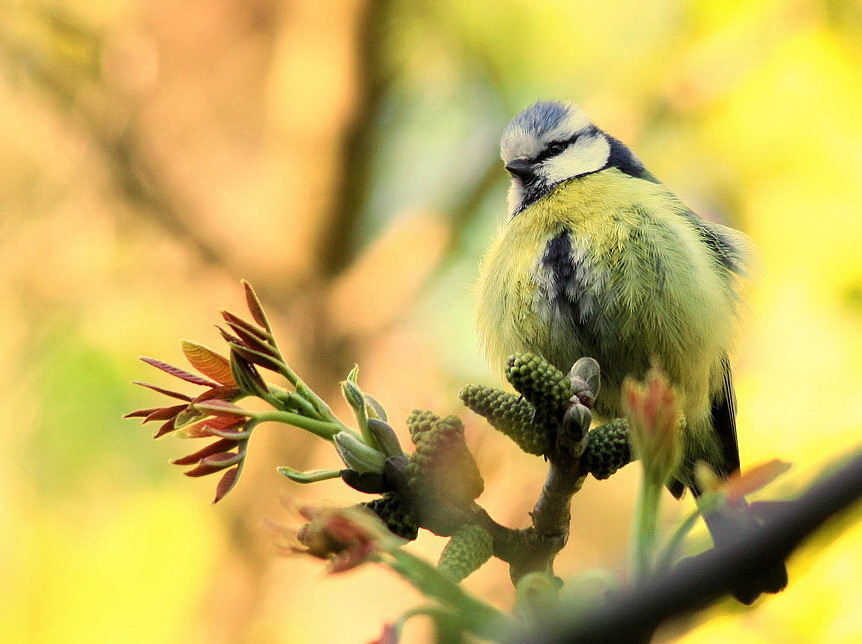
point(642, 287)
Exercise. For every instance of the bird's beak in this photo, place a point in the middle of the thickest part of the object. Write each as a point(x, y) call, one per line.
point(522, 168)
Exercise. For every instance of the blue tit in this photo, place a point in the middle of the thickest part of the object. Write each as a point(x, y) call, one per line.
point(599, 258)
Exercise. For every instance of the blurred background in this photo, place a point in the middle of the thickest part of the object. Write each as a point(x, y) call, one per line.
point(343, 157)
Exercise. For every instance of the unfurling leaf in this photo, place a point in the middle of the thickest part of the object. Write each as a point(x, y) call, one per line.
point(163, 413)
point(208, 362)
point(166, 428)
point(162, 390)
point(222, 459)
point(655, 419)
point(251, 340)
point(196, 457)
point(246, 376)
point(179, 373)
point(204, 469)
point(142, 413)
point(255, 307)
point(357, 455)
point(226, 483)
point(213, 426)
point(218, 407)
point(385, 436)
point(256, 357)
point(227, 337)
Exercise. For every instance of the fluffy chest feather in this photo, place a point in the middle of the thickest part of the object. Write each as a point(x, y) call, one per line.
point(606, 266)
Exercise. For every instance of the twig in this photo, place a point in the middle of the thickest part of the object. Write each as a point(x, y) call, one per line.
point(701, 580)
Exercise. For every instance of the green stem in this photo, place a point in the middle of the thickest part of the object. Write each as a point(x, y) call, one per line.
point(644, 537)
point(705, 503)
point(419, 611)
point(478, 617)
point(272, 399)
point(310, 476)
point(292, 401)
point(324, 429)
point(306, 392)
point(673, 545)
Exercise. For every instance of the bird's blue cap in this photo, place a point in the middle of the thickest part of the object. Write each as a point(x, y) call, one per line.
point(540, 118)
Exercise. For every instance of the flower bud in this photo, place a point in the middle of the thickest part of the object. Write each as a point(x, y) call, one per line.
point(576, 424)
point(469, 548)
point(510, 414)
point(387, 439)
point(540, 382)
point(357, 455)
point(607, 449)
point(655, 421)
point(585, 376)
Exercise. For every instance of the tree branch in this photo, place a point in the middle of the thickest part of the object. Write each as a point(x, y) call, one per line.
point(701, 580)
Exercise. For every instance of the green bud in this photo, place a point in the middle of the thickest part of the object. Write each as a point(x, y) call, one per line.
point(353, 376)
point(443, 466)
point(354, 396)
point(541, 383)
point(511, 414)
point(373, 409)
point(575, 425)
point(585, 376)
point(395, 514)
point(469, 548)
point(247, 377)
point(385, 436)
point(607, 449)
point(357, 455)
point(537, 597)
point(420, 421)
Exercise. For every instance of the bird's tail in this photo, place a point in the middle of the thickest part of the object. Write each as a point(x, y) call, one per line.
point(729, 525)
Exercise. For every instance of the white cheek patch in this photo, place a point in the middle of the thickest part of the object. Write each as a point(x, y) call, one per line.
point(514, 197)
point(587, 154)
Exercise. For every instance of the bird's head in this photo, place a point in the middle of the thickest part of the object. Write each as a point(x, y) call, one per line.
point(551, 142)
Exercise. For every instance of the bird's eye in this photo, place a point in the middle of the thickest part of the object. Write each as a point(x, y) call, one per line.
point(556, 148)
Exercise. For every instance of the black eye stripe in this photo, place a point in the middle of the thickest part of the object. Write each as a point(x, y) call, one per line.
point(548, 152)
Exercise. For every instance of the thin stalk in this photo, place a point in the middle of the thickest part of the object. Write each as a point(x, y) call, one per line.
point(675, 542)
point(324, 429)
point(301, 404)
point(644, 537)
point(310, 476)
point(306, 392)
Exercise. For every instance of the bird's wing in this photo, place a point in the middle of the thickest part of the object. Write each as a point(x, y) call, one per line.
point(732, 248)
point(724, 421)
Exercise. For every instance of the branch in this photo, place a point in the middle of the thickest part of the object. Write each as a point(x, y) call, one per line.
point(703, 579)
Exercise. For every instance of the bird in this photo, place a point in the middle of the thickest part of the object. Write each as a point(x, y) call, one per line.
point(598, 258)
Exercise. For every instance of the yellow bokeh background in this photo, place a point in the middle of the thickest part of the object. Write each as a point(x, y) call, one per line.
point(342, 156)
